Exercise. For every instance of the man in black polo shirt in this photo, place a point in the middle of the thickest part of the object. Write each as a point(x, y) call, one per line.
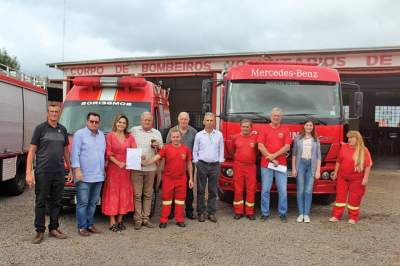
point(50, 145)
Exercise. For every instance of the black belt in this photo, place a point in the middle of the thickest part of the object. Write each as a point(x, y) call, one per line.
point(213, 163)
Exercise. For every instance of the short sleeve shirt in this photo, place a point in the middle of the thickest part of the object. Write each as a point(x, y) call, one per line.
point(346, 161)
point(245, 148)
point(50, 142)
point(274, 139)
point(176, 159)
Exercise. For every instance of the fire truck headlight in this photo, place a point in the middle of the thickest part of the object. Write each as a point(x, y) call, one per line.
point(325, 175)
point(228, 172)
point(332, 173)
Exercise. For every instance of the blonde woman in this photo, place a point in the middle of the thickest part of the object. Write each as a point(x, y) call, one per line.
point(352, 171)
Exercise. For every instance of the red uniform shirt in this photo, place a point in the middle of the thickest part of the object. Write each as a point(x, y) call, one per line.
point(245, 148)
point(346, 161)
point(274, 139)
point(175, 159)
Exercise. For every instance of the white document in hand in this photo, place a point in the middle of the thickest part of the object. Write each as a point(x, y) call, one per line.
point(134, 159)
point(279, 168)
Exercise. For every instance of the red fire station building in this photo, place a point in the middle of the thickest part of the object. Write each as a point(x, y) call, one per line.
point(376, 70)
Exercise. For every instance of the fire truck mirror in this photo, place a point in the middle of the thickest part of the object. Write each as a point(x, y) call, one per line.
point(205, 107)
point(206, 89)
point(358, 104)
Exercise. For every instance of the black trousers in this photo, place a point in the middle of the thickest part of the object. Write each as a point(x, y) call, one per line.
point(49, 189)
point(207, 173)
point(189, 198)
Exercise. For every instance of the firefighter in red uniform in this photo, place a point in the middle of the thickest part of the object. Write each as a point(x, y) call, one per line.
point(352, 170)
point(178, 158)
point(244, 147)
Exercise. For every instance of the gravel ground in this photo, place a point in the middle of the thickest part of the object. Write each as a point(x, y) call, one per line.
point(375, 240)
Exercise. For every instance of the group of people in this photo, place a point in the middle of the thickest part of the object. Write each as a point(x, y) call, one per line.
point(97, 164)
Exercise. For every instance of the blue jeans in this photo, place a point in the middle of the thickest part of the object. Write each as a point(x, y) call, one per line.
point(267, 176)
point(88, 195)
point(305, 182)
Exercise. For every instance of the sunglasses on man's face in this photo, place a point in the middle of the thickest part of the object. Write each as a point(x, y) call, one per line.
point(94, 122)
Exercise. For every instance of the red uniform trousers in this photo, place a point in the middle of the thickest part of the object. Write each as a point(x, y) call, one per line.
point(244, 174)
point(173, 187)
point(349, 191)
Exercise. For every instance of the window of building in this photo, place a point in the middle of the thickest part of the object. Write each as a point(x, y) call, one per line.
point(387, 116)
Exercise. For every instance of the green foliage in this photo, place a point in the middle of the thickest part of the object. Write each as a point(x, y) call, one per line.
point(8, 60)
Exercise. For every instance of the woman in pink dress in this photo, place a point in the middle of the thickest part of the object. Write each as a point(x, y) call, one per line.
point(117, 197)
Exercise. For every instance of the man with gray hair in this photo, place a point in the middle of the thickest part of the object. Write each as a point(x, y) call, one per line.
point(149, 140)
point(273, 142)
point(208, 153)
point(188, 135)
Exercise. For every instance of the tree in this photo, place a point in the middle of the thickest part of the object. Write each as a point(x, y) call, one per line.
point(8, 60)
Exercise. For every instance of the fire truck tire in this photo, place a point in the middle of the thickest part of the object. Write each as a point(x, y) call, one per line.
point(16, 186)
point(324, 199)
point(225, 195)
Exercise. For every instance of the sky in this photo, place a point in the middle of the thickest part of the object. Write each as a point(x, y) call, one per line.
point(38, 32)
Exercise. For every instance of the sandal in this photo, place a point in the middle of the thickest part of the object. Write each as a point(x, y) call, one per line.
point(121, 226)
point(114, 228)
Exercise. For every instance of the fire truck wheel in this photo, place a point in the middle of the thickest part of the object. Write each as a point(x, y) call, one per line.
point(324, 199)
point(16, 185)
point(225, 195)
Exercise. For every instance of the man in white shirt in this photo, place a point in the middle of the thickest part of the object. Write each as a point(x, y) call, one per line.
point(208, 153)
point(149, 140)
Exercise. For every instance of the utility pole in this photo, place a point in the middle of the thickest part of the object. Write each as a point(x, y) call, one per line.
point(63, 31)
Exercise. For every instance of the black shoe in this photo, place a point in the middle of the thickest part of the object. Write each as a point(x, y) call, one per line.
point(212, 218)
point(283, 218)
point(121, 226)
point(251, 217)
point(264, 218)
point(190, 215)
point(114, 228)
point(237, 216)
point(162, 225)
point(201, 218)
point(181, 224)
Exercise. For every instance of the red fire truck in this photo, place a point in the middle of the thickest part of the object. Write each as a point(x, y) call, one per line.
point(302, 91)
point(109, 96)
point(22, 107)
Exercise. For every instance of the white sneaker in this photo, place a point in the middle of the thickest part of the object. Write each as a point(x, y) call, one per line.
point(351, 221)
point(333, 220)
point(307, 219)
point(300, 218)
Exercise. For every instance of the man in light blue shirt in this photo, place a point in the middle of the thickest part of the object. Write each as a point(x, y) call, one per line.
point(87, 160)
point(208, 153)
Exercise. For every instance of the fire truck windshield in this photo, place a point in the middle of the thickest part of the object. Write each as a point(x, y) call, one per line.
point(74, 114)
point(319, 99)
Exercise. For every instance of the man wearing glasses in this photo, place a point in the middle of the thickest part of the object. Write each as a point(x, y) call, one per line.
point(87, 160)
